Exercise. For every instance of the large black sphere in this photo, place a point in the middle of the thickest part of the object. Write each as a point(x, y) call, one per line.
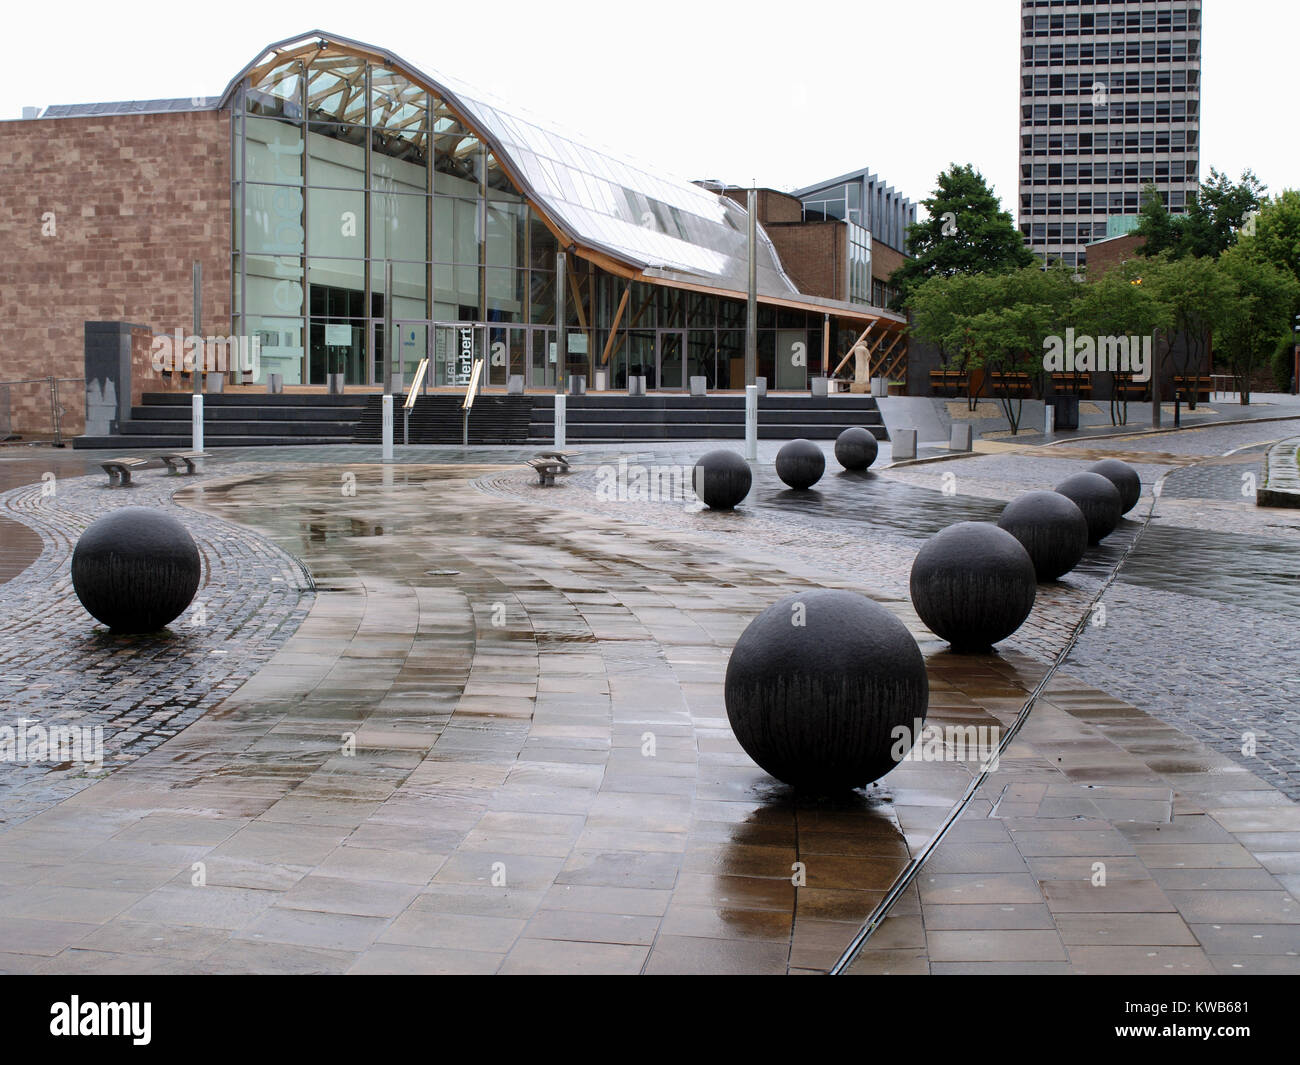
point(1051, 528)
point(136, 569)
point(722, 479)
point(973, 584)
point(800, 463)
point(1099, 500)
point(856, 448)
point(1122, 476)
point(818, 683)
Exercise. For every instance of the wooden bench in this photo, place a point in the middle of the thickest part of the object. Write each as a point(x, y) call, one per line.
point(1078, 384)
point(942, 380)
point(1011, 384)
point(1128, 389)
point(547, 469)
point(173, 460)
point(1202, 385)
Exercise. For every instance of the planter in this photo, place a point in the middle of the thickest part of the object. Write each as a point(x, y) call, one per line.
point(898, 388)
point(335, 383)
point(216, 382)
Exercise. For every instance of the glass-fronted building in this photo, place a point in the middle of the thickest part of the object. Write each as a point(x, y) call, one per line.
point(346, 158)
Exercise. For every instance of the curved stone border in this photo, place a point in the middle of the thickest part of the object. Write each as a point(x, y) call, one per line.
point(58, 666)
point(1281, 487)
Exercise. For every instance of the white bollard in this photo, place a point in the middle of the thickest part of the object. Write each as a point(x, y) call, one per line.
point(198, 421)
point(559, 419)
point(388, 428)
point(1049, 419)
point(751, 423)
point(904, 444)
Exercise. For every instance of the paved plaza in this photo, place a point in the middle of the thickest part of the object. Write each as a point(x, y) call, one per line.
point(434, 718)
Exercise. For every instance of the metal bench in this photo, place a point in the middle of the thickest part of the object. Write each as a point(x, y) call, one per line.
point(564, 458)
point(547, 469)
point(119, 470)
point(174, 459)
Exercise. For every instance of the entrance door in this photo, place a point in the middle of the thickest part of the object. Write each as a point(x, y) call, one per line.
point(672, 360)
point(507, 353)
point(455, 347)
point(542, 358)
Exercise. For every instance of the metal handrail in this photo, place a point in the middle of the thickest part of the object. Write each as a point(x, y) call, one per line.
point(472, 389)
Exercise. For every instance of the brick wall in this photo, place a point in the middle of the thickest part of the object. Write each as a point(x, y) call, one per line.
point(814, 254)
point(136, 199)
point(884, 260)
point(1105, 255)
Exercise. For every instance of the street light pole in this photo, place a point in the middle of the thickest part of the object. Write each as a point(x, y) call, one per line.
point(199, 358)
point(751, 335)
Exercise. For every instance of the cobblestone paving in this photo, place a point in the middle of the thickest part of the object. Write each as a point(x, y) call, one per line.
point(1199, 628)
point(58, 666)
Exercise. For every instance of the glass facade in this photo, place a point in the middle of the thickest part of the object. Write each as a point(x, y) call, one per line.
point(342, 167)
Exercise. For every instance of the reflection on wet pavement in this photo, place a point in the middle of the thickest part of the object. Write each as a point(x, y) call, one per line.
point(1227, 567)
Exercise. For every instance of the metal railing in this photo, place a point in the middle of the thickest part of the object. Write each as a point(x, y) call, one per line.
point(50, 385)
point(471, 390)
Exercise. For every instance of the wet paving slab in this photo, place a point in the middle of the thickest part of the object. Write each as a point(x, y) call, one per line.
point(497, 743)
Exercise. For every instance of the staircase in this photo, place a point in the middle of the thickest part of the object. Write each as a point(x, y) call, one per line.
point(616, 418)
point(437, 419)
point(237, 420)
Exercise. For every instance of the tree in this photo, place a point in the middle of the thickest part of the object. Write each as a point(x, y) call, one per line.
point(1219, 211)
point(1273, 235)
point(1215, 216)
point(967, 232)
point(1257, 315)
point(939, 308)
point(1196, 294)
point(1121, 303)
point(1156, 225)
point(1007, 337)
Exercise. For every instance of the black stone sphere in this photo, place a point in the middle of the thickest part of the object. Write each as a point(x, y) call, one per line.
point(973, 584)
point(1051, 528)
point(856, 448)
point(1099, 500)
point(1122, 476)
point(800, 463)
point(722, 479)
point(136, 569)
point(817, 685)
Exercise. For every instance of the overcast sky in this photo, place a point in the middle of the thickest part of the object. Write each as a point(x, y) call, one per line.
point(793, 94)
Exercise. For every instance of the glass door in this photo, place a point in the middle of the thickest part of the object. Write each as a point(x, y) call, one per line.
point(671, 360)
point(507, 354)
point(542, 358)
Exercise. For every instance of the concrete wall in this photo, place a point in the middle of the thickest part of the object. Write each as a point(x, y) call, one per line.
point(135, 199)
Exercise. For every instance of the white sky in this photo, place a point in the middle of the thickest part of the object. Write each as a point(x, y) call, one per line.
point(903, 87)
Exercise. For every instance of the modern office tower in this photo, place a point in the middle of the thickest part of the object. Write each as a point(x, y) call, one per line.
point(1109, 103)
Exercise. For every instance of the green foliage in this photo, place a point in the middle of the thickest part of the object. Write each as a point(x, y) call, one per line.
point(1258, 315)
point(1283, 365)
point(1274, 234)
point(967, 232)
point(1196, 295)
point(1215, 216)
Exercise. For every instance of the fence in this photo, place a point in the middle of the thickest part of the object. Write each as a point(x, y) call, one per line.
point(34, 406)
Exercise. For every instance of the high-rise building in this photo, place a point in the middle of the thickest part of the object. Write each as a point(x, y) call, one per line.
point(1109, 103)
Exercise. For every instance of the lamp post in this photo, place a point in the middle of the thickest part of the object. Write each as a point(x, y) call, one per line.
point(199, 358)
point(751, 334)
